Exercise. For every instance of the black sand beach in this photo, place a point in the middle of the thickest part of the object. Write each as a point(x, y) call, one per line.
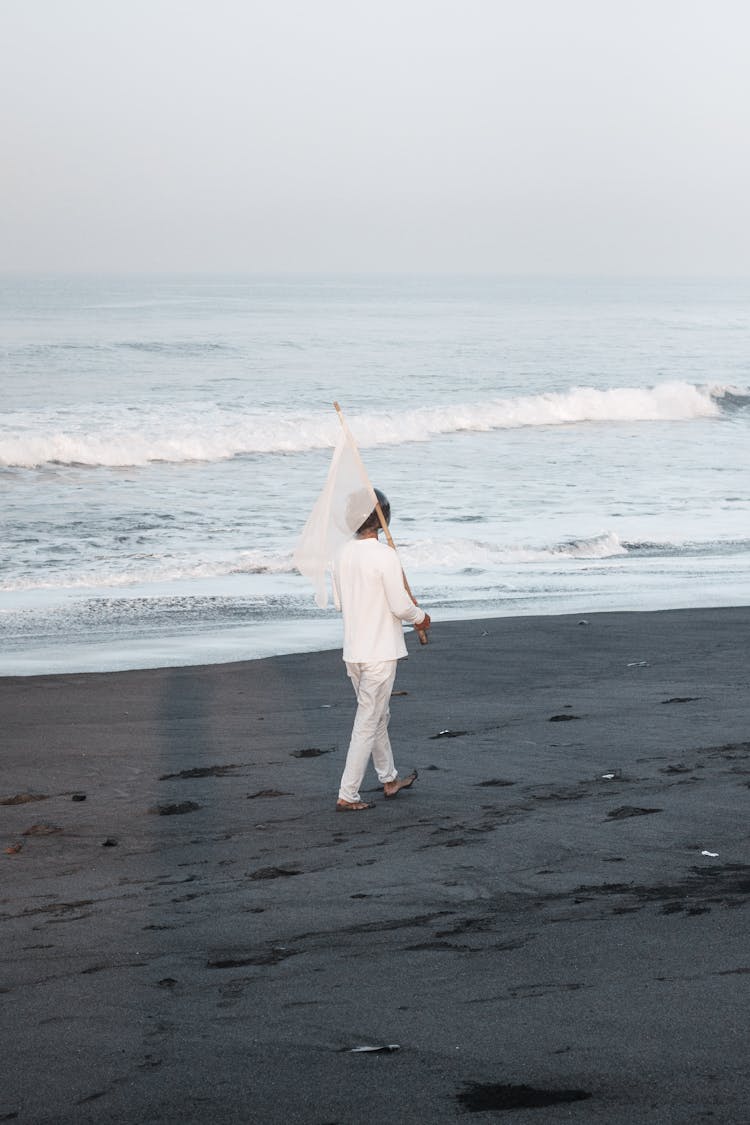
point(552, 924)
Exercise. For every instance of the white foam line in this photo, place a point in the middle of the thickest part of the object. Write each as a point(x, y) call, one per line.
point(123, 437)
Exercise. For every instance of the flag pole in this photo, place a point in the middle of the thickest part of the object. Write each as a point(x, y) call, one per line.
point(421, 633)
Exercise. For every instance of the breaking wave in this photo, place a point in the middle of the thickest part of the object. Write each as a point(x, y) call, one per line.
point(128, 436)
point(454, 555)
point(138, 571)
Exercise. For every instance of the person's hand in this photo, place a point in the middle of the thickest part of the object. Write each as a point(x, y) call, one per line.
point(425, 624)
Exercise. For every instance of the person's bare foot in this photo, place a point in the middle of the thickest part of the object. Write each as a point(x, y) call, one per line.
point(393, 788)
point(351, 806)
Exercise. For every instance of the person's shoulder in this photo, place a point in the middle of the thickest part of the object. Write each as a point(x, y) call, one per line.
point(373, 550)
point(385, 555)
point(368, 544)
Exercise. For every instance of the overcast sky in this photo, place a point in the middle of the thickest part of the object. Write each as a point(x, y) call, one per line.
point(510, 136)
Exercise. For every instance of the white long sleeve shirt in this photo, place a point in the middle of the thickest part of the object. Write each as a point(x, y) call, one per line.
point(368, 588)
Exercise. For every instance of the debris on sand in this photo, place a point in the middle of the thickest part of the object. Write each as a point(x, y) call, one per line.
point(625, 811)
point(273, 873)
point(174, 810)
point(479, 1097)
point(382, 1048)
point(24, 798)
point(199, 771)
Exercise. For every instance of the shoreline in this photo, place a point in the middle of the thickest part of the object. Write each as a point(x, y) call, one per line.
point(560, 903)
point(229, 639)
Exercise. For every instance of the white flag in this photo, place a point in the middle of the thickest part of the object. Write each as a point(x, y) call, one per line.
point(342, 507)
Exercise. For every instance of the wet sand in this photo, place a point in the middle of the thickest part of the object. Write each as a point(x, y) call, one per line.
point(191, 933)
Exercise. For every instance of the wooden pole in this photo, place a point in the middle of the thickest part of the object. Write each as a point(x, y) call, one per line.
point(421, 633)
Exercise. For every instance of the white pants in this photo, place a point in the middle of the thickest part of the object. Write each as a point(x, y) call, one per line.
point(372, 684)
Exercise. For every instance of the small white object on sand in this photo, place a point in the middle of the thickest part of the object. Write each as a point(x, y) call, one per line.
point(382, 1047)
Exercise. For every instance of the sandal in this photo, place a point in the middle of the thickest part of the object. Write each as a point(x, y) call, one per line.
point(399, 784)
point(351, 806)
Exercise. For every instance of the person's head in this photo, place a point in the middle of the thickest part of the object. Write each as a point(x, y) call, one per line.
point(372, 522)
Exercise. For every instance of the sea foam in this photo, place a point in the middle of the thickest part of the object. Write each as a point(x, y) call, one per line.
point(445, 554)
point(124, 437)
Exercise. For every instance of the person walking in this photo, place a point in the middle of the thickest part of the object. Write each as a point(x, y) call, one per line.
point(368, 588)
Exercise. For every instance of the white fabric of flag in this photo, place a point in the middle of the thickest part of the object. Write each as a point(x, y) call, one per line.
point(342, 507)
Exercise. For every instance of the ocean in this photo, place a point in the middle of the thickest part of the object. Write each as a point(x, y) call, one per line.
point(547, 445)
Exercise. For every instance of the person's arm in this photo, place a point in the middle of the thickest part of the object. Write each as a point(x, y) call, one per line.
point(399, 601)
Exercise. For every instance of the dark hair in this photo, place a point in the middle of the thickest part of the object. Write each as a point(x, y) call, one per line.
point(372, 523)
